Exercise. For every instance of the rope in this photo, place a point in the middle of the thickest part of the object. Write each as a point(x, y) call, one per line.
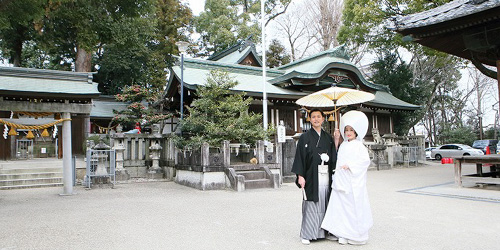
point(34, 114)
point(15, 125)
point(105, 129)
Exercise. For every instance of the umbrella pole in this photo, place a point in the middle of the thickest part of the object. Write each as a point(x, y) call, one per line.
point(337, 124)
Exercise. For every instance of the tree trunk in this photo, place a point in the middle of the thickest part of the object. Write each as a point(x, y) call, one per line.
point(83, 60)
point(15, 56)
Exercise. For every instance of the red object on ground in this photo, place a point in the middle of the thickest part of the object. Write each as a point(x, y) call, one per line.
point(487, 153)
point(446, 160)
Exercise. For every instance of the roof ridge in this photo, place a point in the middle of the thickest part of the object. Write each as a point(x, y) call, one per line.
point(229, 65)
point(47, 74)
point(338, 51)
point(239, 45)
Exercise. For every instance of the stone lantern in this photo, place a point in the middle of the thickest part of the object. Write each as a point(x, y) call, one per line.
point(155, 172)
point(121, 173)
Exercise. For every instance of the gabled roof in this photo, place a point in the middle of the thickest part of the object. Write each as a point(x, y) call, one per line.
point(315, 66)
point(249, 77)
point(237, 53)
point(39, 82)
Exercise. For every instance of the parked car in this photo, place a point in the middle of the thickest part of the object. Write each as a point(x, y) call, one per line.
point(428, 152)
point(454, 150)
point(482, 144)
point(498, 147)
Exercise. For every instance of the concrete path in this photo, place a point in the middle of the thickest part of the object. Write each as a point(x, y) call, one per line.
point(409, 210)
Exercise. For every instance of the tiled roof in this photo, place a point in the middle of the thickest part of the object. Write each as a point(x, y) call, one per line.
point(37, 81)
point(315, 66)
point(449, 11)
point(235, 54)
point(104, 108)
point(249, 78)
point(385, 100)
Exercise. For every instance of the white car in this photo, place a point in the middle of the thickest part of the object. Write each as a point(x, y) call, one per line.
point(428, 152)
point(454, 151)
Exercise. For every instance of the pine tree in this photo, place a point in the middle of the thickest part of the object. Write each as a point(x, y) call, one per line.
point(218, 114)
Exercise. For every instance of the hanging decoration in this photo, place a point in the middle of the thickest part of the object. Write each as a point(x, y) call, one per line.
point(104, 130)
point(30, 135)
point(54, 133)
point(45, 133)
point(5, 131)
point(14, 126)
point(21, 126)
point(12, 131)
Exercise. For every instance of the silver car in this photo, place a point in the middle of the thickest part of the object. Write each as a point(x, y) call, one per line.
point(454, 151)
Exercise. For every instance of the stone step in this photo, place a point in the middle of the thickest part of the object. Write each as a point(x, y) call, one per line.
point(31, 170)
point(246, 167)
point(28, 182)
point(252, 174)
point(32, 186)
point(259, 183)
point(29, 175)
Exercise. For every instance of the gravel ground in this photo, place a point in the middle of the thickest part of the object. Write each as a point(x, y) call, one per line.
point(165, 215)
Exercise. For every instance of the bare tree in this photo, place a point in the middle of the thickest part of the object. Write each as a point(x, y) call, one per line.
point(325, 19)
point(293, 27)
point(482, 86)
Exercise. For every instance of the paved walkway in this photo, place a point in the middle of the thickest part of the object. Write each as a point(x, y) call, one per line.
point(410, 207)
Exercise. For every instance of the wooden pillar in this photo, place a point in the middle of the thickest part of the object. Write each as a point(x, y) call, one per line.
point(299, 117)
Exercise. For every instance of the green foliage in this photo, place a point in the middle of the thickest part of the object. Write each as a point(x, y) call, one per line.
point(224, 22)
point(490, 133)
point(398, 76)
point(364, 20)
point(218, 115)
point(277, 55)
point(462, 135)
point(140, 109)
point(220, 26)
point(18, 20)
point(425, 77)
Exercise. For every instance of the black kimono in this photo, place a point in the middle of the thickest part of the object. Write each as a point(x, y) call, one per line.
point(307, 159)
point(317, 188)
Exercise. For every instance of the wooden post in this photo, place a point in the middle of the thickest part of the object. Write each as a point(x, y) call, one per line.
point(227, 154)
point(498, 80)
point(458, 172)
point(205, 150)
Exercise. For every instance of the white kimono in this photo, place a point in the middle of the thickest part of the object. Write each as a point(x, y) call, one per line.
point(348, 214)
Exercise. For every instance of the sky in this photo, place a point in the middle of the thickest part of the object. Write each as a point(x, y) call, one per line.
point(196, 6)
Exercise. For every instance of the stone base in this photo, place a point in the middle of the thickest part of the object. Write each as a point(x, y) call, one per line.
point(289, 179)
point(155, 174)
point(122, 175)
point(382, 166)
point(169, 173)
point(201, 180)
